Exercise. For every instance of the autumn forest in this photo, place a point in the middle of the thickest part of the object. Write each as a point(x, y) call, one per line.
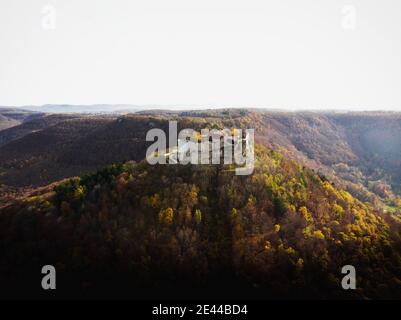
point(77, 193)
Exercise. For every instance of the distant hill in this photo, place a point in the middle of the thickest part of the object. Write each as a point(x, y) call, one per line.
point(32, 124)
point(98, 108)
point(6, 122)
point(11, 117)
point(31, 152)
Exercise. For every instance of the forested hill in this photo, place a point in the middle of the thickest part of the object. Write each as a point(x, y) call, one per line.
point(184, 231)
point(360, 152)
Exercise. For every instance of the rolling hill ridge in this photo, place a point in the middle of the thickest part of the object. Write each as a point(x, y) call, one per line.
point(360, 152)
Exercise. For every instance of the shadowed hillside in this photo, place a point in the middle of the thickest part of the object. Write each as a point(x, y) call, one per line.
point(281, 232)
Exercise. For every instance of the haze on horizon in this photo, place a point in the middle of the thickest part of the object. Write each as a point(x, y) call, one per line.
point(328, 54)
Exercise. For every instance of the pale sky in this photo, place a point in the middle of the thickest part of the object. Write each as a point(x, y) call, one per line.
point(293, 54)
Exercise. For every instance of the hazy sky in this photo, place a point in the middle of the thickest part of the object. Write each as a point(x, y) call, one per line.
point(282, 53)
